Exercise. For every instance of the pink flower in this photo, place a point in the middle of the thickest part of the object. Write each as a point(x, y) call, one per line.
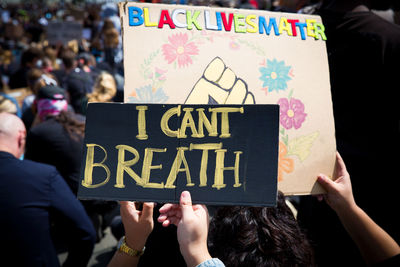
point(179, 49)
point(291, 113)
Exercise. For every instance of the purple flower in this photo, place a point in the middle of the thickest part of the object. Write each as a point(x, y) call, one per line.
point(291, 113)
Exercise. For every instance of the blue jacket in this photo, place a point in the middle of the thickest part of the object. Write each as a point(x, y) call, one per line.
point(33, 198)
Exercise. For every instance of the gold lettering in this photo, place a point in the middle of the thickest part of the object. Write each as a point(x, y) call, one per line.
point(125, 166)
point(176, 167)
point(187, 121)
point(165, 118)
point(225, 119)
point(220, 168)
point(142, 123)
point(88, 179)
point(204, 158)
point(203, 121)
point(147, 167)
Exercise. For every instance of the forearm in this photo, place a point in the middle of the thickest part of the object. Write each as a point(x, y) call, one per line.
point(373, 242)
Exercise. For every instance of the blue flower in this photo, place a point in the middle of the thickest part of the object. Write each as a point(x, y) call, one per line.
point(275, 75)
point(146, 94)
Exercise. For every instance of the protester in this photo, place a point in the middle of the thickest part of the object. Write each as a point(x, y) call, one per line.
point(104, 90)
point(74, 80)
point(375, 245)
point(29, 58)
point(57, 139)
point(363, 54)
point(33, 198)
point(36, 80)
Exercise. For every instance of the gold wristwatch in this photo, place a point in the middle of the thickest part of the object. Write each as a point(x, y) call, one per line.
point(123, 247)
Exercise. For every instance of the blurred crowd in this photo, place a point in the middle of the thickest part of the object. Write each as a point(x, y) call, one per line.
point(48, 82)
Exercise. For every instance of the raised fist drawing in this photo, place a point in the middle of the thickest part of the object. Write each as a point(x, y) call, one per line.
point(219, 85)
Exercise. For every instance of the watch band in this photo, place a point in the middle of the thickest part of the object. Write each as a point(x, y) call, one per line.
point(123, 247)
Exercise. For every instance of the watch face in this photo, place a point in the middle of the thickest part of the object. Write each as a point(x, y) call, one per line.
point(120, 242)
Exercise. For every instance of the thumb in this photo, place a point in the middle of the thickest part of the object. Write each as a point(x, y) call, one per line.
point(186, 204)
point(325, 182)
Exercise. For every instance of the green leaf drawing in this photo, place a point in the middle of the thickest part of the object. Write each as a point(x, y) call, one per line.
point(290, 94)
point(145, 66)
point(301, 146)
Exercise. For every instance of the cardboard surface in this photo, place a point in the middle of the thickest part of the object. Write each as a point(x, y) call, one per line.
point(231, 160)
point(186, 54)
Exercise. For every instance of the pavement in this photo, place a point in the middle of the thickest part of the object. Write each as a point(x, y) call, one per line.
point(102, 253)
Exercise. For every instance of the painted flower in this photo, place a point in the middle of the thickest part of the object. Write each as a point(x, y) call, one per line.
point(159, 74)
point(179, 49)
point(148, 94)
point(291, 113)
point(275, 75)
point(285, 165)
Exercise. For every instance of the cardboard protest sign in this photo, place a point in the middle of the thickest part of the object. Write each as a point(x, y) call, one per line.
point(63, 31)
point(204, 55)
point(224, 155)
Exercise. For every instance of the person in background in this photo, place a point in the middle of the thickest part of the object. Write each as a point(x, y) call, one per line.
point(104, 90)
point(31, 196)
point(376, 246)
point(112, 48)
point(29, 58)
point(74, 80)
point(363, 55)
point(57, 138)
point(36, 80)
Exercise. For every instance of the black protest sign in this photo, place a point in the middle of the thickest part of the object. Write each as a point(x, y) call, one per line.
point(63, 31)
point(224, 155)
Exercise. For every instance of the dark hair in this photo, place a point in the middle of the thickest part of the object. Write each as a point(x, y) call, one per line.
point(74, 127)
point(68, 58)
point(29, 55)
point(259, 236)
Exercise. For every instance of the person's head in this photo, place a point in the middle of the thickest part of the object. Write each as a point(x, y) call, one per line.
point(69, 59)
point(259, 236)
point(50, 101)
point(111, 38)
point(12, 134)
point(6, 105)
point(86, 59)
point(104, 89)
point(37, 79)
point(30, 57)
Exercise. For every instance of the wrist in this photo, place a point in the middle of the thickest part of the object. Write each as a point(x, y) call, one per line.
point(136, 250)
point(194, 255)
point(347, 210)
point(135, 243)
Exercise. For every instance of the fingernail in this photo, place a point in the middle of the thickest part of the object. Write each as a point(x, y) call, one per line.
point(185, 194)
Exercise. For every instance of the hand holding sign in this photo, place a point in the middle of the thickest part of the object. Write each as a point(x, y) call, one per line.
point(192, 222)
point(219, 85)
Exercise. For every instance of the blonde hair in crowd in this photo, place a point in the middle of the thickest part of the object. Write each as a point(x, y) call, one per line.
point(104, 89)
